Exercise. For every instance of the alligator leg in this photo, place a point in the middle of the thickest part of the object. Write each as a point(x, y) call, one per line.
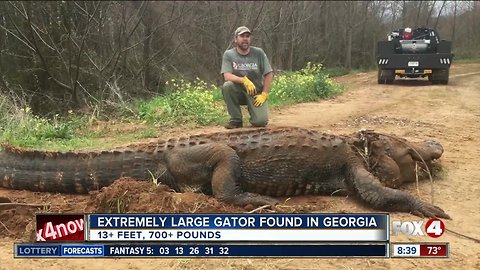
point(216, 165)
point(386, 170)
point(369, 190)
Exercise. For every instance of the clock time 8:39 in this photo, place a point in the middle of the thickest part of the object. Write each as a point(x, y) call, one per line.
point(406, 250)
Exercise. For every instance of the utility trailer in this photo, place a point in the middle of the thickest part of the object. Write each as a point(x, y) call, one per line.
point(417, 55)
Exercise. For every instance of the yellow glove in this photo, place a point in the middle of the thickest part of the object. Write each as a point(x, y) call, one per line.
point(249, 86)
point(260, 99)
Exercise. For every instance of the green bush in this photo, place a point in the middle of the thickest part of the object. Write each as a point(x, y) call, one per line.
point(309, 84)
point(184, 102)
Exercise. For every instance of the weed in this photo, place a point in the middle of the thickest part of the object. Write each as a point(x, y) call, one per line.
point(21, 127)
point(309, 84)
point(184, 102)
point(119, 204)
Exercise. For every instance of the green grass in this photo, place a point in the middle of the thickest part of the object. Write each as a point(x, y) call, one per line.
point(19, 127)
point(185, 104)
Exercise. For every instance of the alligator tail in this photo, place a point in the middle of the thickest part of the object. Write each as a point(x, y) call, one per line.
point(71, 172)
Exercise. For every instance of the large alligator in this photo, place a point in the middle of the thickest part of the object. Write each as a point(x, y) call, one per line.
point(247, 166)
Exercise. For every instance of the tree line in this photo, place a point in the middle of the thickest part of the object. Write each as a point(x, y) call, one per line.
point(89, 55)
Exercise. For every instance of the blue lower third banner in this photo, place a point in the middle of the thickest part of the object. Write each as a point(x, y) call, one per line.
point(200, 250)
point(238, 227)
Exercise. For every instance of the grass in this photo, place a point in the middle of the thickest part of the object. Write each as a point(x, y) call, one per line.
point(186, 103)
point(335, 72)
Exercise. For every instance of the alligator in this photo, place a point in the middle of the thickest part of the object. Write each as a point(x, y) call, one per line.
point(248, 166)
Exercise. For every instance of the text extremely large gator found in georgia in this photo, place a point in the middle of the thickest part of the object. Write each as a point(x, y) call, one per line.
point(248, 166)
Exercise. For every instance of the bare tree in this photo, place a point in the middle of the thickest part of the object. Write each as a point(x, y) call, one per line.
point(454, 21)
point(93, 54)
point(439, 14)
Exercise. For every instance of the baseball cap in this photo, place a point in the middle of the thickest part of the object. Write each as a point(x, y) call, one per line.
point(242, 29)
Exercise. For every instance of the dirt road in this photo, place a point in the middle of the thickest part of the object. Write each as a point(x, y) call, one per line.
point(411, 109)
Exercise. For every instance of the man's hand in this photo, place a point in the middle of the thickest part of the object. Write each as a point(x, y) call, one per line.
point(249, 86)
point(260, 99)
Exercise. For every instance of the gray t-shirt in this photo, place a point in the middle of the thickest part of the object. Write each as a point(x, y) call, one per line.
point(254, 65)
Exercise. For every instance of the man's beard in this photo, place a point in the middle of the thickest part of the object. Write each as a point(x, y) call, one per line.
point(244, 46)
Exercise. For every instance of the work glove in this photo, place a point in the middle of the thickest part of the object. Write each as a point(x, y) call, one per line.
point(249, 86)
point(260, 99)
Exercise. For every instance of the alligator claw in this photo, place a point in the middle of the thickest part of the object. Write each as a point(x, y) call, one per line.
point(253, 199)
point(428, 210)
point(263, 200)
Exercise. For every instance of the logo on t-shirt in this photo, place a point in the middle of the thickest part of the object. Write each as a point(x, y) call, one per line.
point(244, 66)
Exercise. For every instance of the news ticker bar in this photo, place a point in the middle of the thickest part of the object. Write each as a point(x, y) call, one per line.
point(199, 250)
point(89, 250)
point(213, 227)
point(434, 250)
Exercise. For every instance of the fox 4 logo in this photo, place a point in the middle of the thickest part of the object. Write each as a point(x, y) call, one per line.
point(433, 228)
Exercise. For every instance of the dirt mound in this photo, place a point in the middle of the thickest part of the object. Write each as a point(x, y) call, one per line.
point(127, 195)
point(17, 211)
point(17, 222)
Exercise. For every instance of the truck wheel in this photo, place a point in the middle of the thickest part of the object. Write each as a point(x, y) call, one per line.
point(445, 76)
point(439, 76)
point(380, 80)
point(385, 76)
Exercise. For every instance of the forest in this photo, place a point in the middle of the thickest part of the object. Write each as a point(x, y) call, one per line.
point(58, 56)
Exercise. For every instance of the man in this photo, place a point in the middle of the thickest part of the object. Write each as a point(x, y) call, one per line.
point(248, 78)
